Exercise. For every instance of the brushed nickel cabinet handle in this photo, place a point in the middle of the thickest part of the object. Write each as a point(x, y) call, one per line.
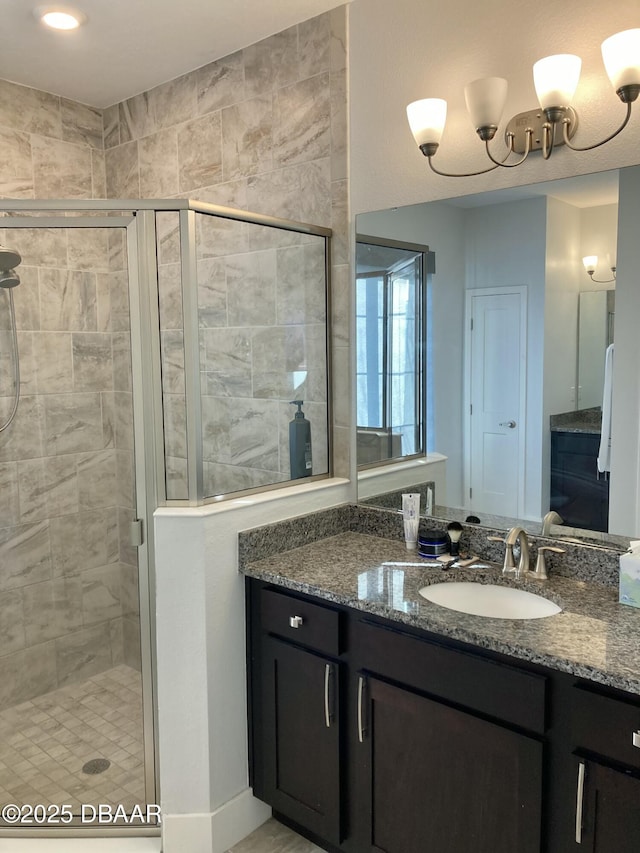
point(295, 621)
point(361, 729)
point(580, 802)
point(327, 702)
point(635, 739)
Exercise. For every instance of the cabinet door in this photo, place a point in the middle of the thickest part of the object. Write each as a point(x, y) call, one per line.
point(300, 694)
point(444, 781)
point(608, 809)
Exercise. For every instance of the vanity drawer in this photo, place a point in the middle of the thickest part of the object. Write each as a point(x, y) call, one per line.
point(301, 621)
point(605, 725)
point(469, 680)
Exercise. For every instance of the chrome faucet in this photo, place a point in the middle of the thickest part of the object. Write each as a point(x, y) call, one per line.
point(549, 519)
point(515, 535)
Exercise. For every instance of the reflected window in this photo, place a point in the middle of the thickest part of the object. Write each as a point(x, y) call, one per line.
point(390, 324)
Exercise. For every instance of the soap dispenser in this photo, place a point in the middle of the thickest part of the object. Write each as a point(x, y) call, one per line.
point(300, 444)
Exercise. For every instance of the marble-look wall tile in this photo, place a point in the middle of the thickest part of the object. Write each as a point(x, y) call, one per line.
point(315, 191)
point(251, 284)
point(107, 404)
point(341, 373)
point(200, 152)
point(119, 300)
point(26, 299)
point(24, 438)
point(271, 63)
point(68, 300)
point(73, 422)
point(81, 124)
point(301, 298)
point(30, 110)
point(121, 343)
point(170, 295)
point(96, 479)
point(131, 640)
point(84, 541)
point(92, 361)
point(339, 126)
point(26, 362)
point(302, 121)
point(12, 630)
point(217, 237)
point(32, 490)
point(100, 588)
point(9, 495)
point(16, 178)
point(175, 425)
point(88, 249)
point(128, 554)
point(314, 46)
point(125, 479)
point(116, 641)
point(123, 411)
point(27, 673)
point(25, 555)
point(172, 359)
point(52, 609)
point(159, 164)
point(111, 126)
point(60, 169)
point(220, 83)
point(83, 654)
point(129, 592)
point(40, 247)
point(212, 293)
point(98, 174)
point(176, 478)
point(253, 435)
point(168, 237)
point(227, 363)
point(61, 484)
point(340, 251)
point(340, 304)
point(247, 143)
point(123, 174)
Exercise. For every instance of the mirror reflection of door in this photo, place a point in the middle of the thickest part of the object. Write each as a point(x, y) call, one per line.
point(496, 346)
point(390, 300)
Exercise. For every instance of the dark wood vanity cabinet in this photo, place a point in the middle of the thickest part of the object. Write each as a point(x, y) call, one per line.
point(578, 493)
point(606, 737)
point(374, 737)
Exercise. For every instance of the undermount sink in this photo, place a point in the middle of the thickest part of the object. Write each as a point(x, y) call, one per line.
point(496, 602)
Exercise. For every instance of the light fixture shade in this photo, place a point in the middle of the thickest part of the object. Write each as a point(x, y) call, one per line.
point(556, 79)
point(426, 120)
point(485, 100)
point(621, 55)
point(590, 263)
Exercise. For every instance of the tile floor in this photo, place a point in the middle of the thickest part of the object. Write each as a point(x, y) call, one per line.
point(44, 743)
point(273, 837)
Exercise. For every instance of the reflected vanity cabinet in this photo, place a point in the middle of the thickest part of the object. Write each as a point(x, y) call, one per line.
point(369, 736)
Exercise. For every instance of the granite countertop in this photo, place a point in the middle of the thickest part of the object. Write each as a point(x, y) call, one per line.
point(594, 637)
point(577, 428)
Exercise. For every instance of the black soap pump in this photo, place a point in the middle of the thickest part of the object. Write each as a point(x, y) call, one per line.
point(300, 444)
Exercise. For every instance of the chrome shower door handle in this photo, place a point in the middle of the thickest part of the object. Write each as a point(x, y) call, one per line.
point(510, 424)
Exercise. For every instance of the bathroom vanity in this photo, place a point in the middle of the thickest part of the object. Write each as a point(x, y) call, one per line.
point(382, 722)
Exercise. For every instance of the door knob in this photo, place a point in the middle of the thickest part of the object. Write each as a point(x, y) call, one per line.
point(510, 424)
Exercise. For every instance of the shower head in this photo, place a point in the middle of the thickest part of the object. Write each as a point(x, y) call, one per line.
point(9, 278)
point(9, 258)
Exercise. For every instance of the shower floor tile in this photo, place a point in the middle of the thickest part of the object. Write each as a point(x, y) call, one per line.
point(45, 743)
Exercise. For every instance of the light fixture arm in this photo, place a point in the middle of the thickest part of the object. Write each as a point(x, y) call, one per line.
point(459, 175)
point(602, 280)
point(565, 131)
point(430, 149)
point(527, 149)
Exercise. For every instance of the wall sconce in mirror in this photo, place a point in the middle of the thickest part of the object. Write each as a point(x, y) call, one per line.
point(555, 123)
point(590, 263)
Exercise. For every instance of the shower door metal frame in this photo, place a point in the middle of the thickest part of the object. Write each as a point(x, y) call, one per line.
point(145, 355)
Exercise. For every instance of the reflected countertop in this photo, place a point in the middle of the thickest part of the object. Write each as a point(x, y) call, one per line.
point(594, 637)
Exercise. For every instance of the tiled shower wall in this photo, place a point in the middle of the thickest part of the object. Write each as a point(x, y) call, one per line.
point(68, 588)
point(264, 130)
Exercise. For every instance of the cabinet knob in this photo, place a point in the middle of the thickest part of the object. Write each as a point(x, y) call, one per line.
point(295, 621)
point(635, 739)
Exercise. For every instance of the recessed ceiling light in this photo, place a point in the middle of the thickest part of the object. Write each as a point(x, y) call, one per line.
point(60, 17)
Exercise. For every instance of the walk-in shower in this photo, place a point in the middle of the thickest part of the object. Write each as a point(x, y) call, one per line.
point(161, 344)
point(9, 279)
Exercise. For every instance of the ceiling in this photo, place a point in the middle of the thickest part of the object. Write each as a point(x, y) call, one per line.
point(129, 46)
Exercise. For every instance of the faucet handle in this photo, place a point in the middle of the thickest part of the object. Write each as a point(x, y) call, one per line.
point(541, 564)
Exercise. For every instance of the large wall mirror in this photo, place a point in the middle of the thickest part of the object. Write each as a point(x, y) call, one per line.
point(518, 334)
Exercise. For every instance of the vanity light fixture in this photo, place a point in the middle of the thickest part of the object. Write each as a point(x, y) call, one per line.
point(60, 17)
point(555, 123)
point(590, 263)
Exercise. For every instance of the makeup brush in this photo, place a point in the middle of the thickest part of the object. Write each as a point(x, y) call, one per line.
point(454, 532)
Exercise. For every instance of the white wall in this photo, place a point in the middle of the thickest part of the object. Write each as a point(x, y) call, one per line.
point(624, 508)
point(409, 49)
point(207, 805)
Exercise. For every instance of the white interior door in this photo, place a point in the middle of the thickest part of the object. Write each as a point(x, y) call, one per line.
point(496, 387)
